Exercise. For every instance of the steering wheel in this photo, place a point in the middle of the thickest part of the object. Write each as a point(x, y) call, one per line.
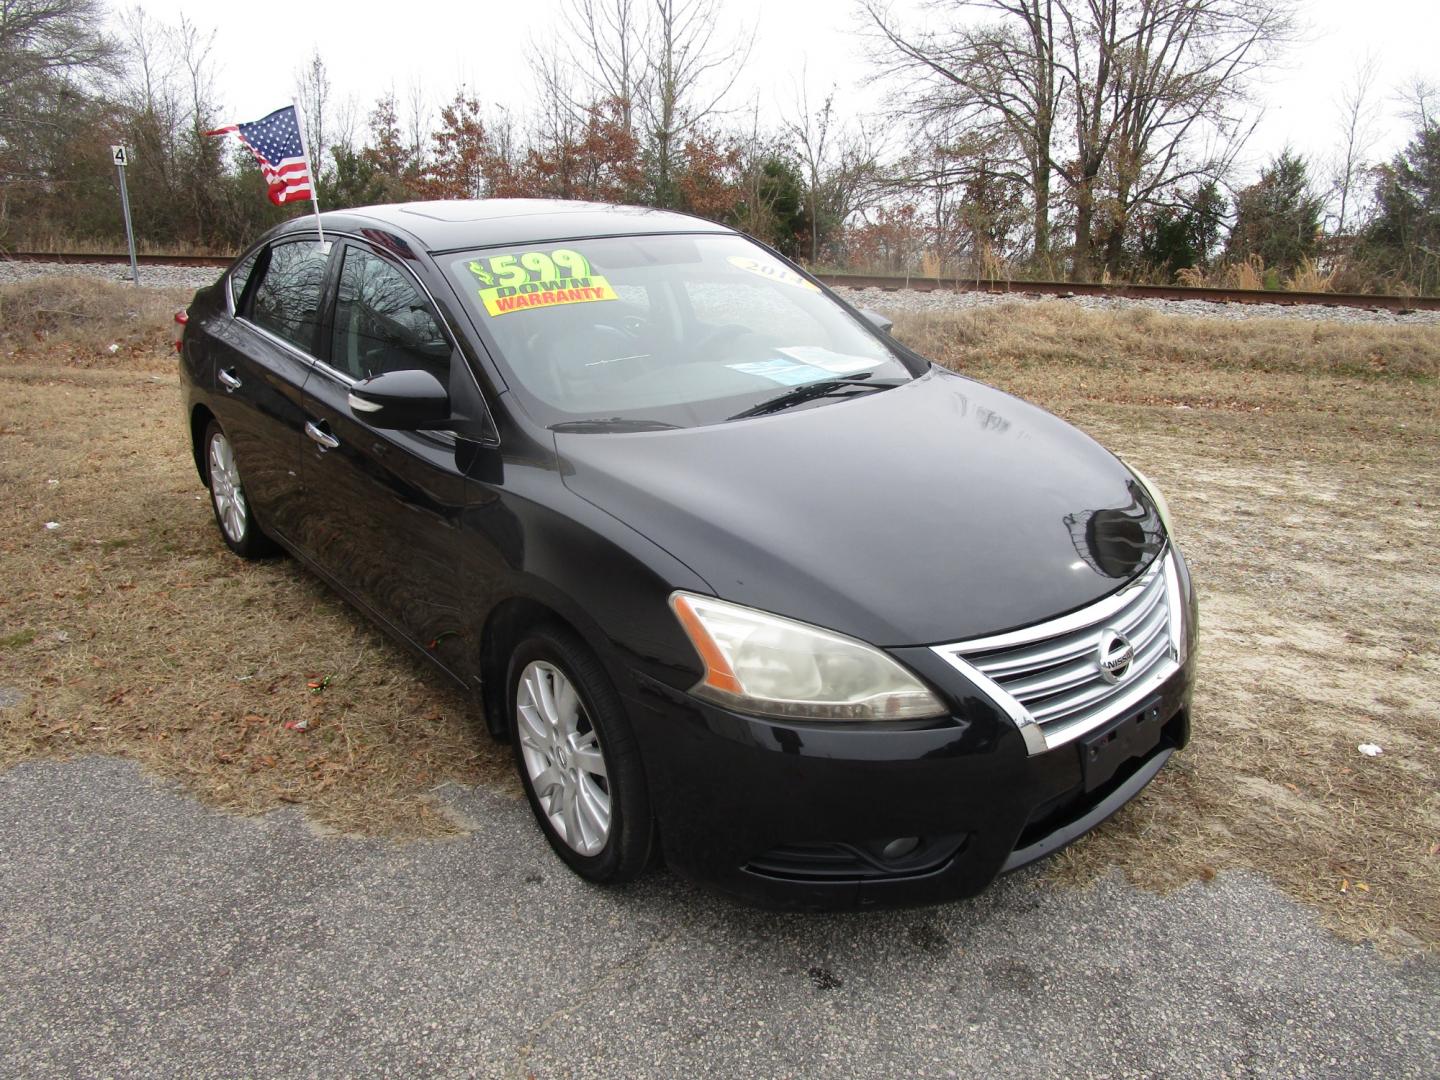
point(588, 356)
point(716, 335)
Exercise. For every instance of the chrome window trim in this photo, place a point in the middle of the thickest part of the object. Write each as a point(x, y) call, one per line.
point(1039, 739)
point(276, 339)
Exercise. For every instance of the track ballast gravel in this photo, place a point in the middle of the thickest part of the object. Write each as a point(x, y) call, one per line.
point(901, 301)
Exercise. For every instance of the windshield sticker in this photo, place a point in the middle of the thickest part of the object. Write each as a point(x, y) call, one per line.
point(538, 279)
point(784, 372)
point(774, 271)
point(833, 362)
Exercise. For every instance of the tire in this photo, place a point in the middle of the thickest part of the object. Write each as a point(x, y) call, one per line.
point(233, 516)
point(577, 758)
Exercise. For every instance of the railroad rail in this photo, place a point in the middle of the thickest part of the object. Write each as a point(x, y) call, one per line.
point(112, 257)
point(1399, 304)
point(891, 283)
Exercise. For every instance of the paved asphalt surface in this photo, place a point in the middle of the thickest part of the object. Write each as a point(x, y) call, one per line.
point(144, 935)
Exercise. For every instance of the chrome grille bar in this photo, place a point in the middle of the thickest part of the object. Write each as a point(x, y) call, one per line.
point(1047, 678)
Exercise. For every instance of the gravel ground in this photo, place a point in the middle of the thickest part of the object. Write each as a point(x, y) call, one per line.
point(181, 277)
point(144, 935)
point(882, 300)
point(912, 301)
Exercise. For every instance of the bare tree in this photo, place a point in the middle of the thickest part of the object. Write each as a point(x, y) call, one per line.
point(1002, 79)
point(195, 49)
point(1159, 92)
point(691, 72)
point(417, 122)
point(312, 89)
point(40, 38)
point(839, 162)
point(1357, 112)
point(347, 124)
point(1420, 102)
point(611, 54)
point(1119, 99)
point(151, 94)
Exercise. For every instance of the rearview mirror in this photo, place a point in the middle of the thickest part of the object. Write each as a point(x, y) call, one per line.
point(875, 319)
point(403, 400)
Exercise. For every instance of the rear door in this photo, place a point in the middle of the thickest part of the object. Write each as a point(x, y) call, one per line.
point(262, 360)
point(386, 506)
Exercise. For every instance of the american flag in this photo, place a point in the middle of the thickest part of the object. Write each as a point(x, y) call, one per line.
point(275, 142)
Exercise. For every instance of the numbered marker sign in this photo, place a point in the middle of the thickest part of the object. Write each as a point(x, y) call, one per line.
point(119, 155)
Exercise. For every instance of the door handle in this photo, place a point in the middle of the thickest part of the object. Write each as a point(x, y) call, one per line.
point(320, 437)
point(228, 381)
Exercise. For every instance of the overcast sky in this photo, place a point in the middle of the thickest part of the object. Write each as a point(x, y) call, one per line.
point(370, 46)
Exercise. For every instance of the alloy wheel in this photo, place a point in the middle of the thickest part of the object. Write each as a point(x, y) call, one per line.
point(226, 490)
point(562, 756)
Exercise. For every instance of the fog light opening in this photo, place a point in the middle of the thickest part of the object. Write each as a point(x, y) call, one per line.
point(900, 847)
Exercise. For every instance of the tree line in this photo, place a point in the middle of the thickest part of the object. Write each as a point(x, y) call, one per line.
point(1045, 138)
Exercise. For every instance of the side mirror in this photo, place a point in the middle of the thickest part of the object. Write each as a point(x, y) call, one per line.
point(405, 400)
point(875, 319)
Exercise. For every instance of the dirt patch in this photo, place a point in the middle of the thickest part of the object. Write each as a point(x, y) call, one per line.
point(1304, 475)
point(132, 631)
point(1304, 485)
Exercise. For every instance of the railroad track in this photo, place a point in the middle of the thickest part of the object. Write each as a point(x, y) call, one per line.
point(122, 259)
point(1400, 304)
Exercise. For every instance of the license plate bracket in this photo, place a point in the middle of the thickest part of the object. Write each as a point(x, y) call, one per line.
point(1132, 735)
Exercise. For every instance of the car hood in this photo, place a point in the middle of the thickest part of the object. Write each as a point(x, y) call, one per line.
point(939, 510)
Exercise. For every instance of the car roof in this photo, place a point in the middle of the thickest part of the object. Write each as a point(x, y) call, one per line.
point(459, 224)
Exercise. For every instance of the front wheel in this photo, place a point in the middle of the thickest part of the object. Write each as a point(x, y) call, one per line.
point(227, 498)
point(577, 758)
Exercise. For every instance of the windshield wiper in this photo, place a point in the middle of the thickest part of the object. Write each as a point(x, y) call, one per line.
point(612, 423)
point(797, 395)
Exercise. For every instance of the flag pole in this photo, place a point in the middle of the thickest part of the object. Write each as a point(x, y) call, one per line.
point(310, 166)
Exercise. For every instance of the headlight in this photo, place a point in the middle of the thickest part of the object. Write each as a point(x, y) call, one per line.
point(1161, 506)
point(763, 664)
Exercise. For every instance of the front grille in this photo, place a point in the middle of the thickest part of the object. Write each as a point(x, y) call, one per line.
point(1049, 678)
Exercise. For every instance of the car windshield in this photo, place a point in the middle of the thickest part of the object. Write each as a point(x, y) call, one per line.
point(649, 332)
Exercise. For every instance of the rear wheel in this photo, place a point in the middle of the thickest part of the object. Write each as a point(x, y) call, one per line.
point(577, 758)
point(227, 498)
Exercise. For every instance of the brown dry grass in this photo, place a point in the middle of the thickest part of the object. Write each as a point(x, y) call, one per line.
point(134, 632)
point(1302, 461)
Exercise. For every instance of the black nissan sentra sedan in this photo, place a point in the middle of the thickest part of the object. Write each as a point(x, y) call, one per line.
point(742, 579)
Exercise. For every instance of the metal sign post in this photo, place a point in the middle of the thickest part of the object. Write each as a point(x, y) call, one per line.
point(121, 157)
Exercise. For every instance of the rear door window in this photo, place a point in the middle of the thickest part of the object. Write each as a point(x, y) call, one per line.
point(287, 300)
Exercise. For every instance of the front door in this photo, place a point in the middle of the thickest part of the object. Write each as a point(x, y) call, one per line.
point(385, 506)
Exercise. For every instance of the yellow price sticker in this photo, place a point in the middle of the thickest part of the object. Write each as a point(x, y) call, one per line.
point(538, 279)
point(503, 299)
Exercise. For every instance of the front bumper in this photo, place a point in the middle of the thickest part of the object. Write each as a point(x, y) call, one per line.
point(820, 817)
point(797, 817)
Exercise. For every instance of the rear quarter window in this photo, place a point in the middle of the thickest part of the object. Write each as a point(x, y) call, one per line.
point(240, 276)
